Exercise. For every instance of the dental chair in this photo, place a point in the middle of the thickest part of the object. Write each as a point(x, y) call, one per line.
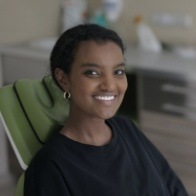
point(31, 112)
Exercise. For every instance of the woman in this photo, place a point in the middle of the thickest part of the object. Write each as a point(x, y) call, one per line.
point(96, 153)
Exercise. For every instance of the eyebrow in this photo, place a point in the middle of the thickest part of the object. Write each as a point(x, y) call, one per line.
point(96, 65)
point(89, 65)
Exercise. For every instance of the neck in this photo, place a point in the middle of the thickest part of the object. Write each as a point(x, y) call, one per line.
point(88, 131)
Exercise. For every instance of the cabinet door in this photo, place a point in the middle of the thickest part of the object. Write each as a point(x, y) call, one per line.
point(170, 95)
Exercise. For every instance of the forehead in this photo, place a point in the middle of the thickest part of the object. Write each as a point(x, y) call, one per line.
point(96, 48)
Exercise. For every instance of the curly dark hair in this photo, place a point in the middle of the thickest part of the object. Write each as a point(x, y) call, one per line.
point(62, 55)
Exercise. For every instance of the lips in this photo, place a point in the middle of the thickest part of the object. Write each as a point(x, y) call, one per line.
point(104, 98)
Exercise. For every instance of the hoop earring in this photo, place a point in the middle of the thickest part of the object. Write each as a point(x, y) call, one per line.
point(67, 95)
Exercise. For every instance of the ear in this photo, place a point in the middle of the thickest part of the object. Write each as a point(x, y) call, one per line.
point(62, 79)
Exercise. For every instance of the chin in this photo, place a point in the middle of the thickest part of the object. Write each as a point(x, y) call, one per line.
point(107, 115)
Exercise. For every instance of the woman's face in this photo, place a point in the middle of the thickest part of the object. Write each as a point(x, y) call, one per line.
point(97, 81)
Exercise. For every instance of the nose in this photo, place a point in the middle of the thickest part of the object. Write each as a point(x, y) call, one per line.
point(108, 83)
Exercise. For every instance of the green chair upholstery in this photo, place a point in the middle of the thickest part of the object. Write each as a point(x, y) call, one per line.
point(31, 112)
point(20, 186)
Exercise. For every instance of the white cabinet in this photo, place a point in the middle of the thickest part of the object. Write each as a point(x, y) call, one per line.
point(16, 68)
point(22, 61)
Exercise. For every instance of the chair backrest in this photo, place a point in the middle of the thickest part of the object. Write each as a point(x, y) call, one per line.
point(31, 111)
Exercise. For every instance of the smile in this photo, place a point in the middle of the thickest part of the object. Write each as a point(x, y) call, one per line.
point(105, 98)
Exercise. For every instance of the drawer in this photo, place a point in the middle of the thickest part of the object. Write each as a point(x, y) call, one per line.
point(168, 95)
point(16, 67)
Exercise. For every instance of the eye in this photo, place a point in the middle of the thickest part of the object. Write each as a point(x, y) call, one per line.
point(91, 73)
point(120, 72)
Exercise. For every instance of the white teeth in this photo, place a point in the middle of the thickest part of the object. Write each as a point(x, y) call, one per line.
point(105, 98)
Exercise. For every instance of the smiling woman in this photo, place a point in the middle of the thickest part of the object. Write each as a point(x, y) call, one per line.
point(96, 152)
point(99, 69)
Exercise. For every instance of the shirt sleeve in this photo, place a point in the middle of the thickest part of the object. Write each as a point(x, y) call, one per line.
point(44, 178)
point(173, 183)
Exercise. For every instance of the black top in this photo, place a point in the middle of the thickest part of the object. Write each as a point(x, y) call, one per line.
point(128, 166)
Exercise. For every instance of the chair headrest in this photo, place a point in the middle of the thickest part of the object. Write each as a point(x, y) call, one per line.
point(44, 105)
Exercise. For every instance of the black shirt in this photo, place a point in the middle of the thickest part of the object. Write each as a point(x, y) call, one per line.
point(128, 166)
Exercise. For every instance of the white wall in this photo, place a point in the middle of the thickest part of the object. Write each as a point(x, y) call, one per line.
point(21, 20)
point(148, 7)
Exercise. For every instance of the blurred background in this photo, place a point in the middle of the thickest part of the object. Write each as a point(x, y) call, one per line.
point(27, 20)
point(161, 67)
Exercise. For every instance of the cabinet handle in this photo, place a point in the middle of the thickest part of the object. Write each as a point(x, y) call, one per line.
point(178, 89)
point(187, 110)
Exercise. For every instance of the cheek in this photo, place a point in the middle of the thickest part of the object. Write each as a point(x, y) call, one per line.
point(82, 89)
point(124, 86)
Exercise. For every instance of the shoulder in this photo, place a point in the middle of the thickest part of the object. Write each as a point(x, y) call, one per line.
point(133, 135)
point(126, 128)
point(50, 152)
point(45, 172)
point(46, 160)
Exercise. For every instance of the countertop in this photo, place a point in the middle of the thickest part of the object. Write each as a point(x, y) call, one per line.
point(137, 60)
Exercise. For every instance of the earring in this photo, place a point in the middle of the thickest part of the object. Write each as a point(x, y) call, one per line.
point(67, 95)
